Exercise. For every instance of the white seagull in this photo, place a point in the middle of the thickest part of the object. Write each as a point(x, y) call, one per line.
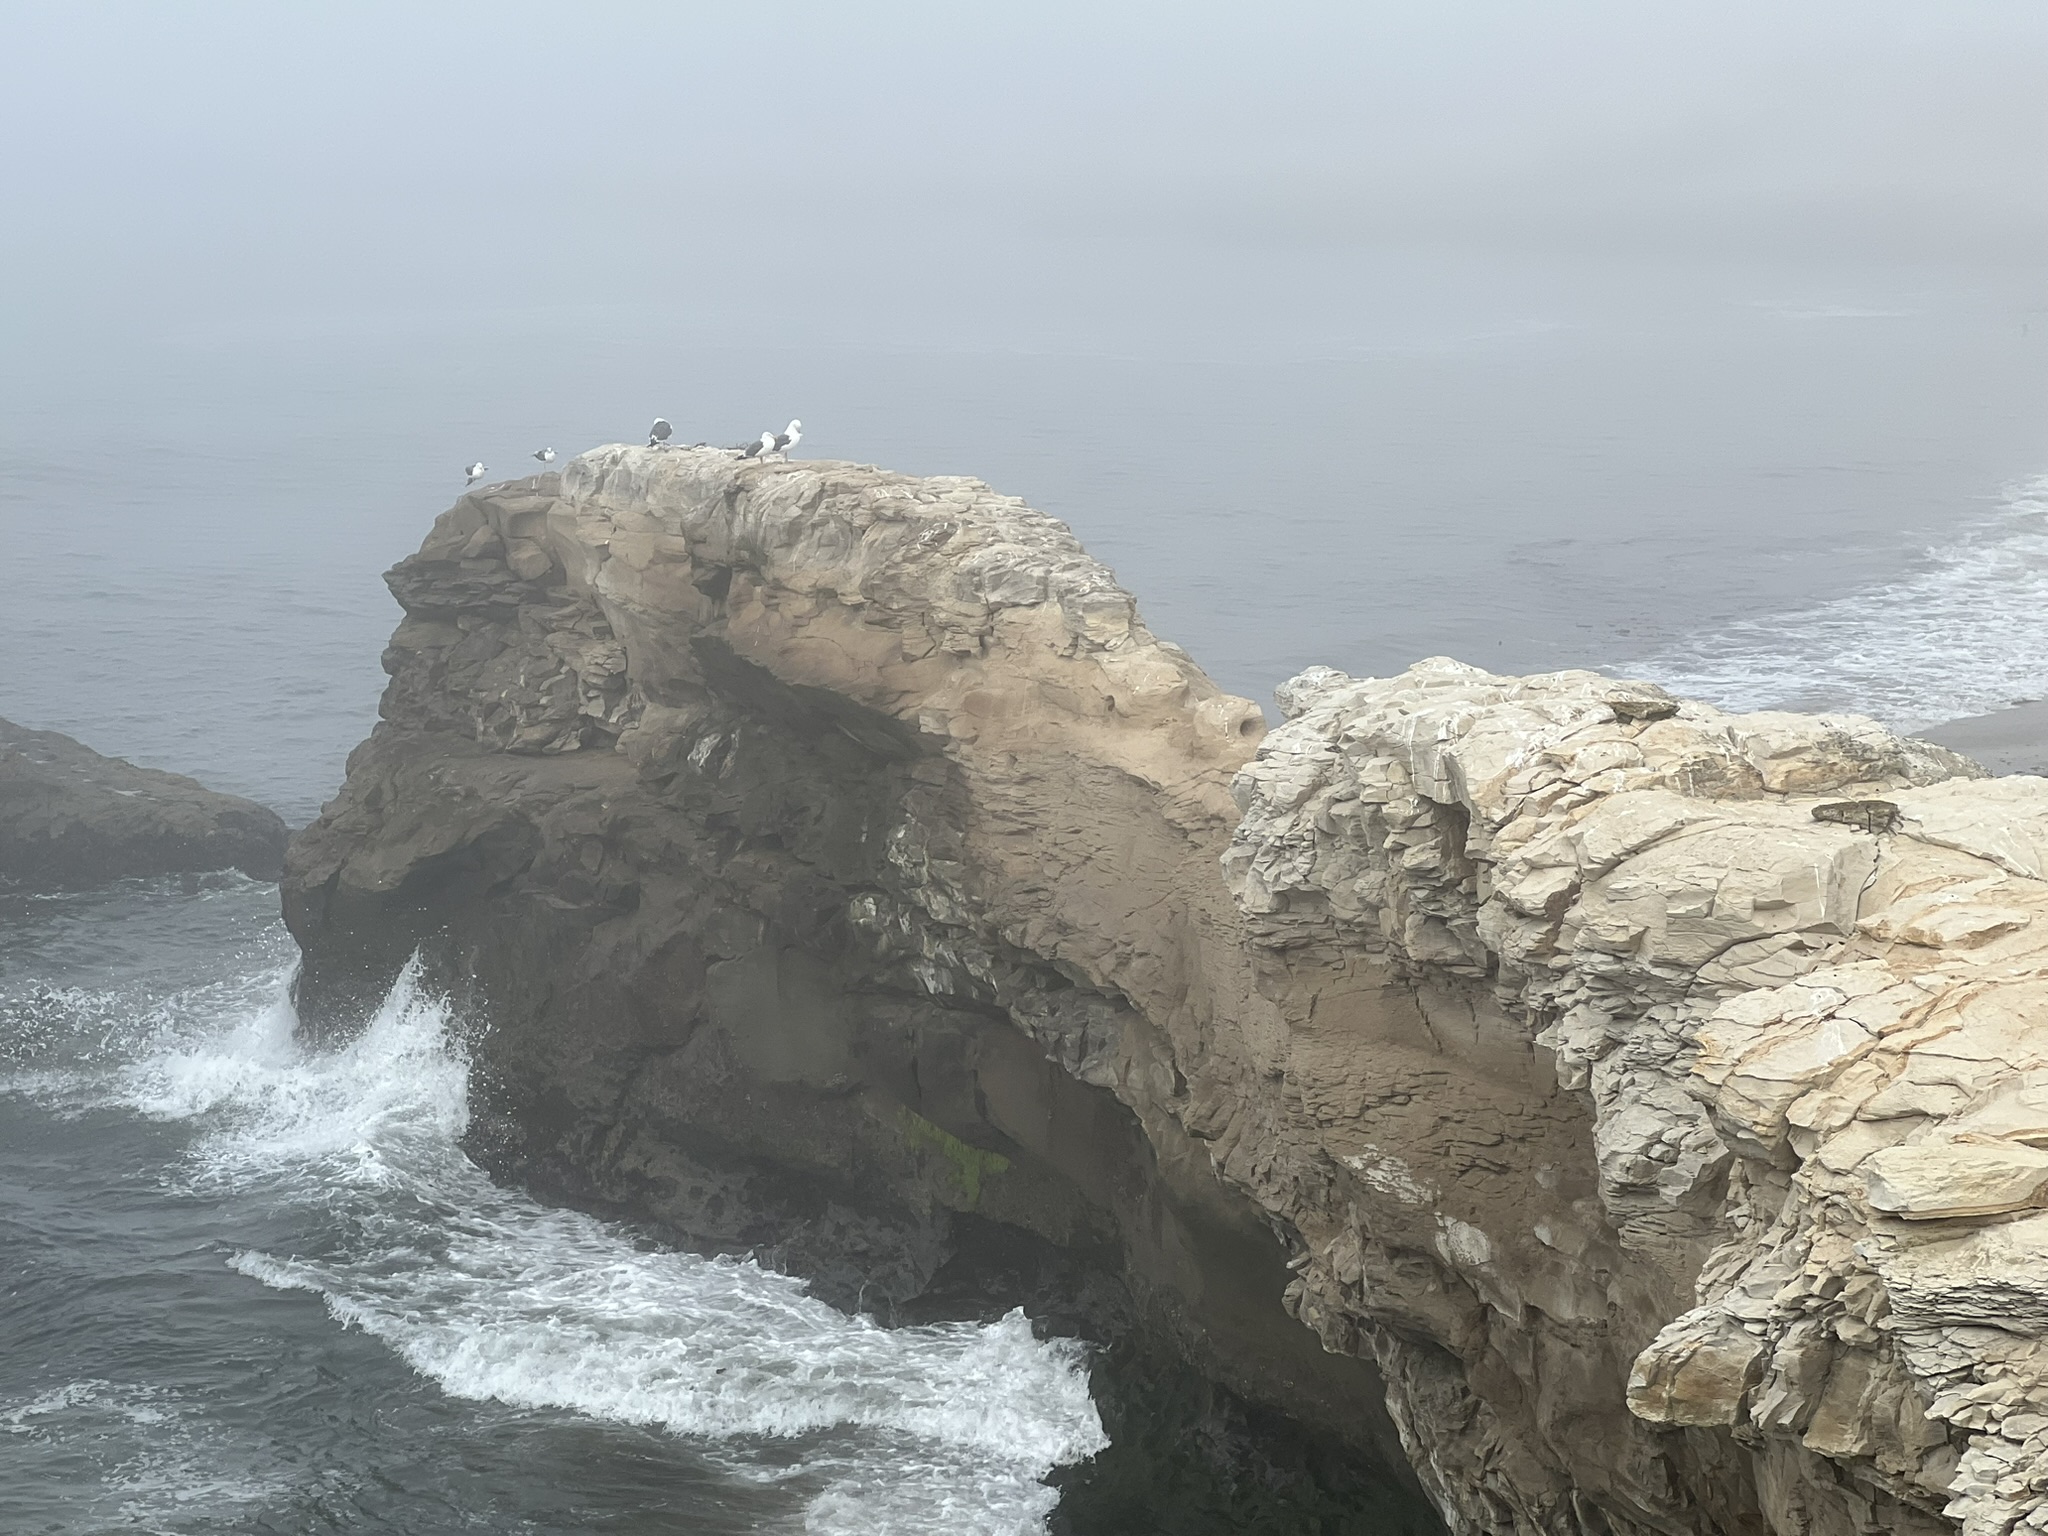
point(658, 433)
point(545, 455)
point(760, 449)
point(789, 437)
point(475, 472)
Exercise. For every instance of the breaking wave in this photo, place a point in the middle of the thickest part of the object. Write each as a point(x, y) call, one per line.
point(1961, 636)
point(492, 1296)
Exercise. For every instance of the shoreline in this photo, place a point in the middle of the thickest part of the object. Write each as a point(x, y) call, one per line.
point(2006, 741)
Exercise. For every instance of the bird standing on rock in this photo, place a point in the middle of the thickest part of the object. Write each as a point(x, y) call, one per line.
point(475, 472)
point(789, 437)
point(658, 433)
point(760, 449)
point(545, 455)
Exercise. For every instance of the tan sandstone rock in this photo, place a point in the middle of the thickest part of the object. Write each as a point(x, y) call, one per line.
point(1656, 1096)
point(1942, 1179)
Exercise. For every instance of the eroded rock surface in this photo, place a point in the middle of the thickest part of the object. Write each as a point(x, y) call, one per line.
point(70, 817)
point(1792, 975)
point(813, 839)
point(1635, 1098)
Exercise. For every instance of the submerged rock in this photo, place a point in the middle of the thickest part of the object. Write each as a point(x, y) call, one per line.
point(1624, 1110)
point(70, 817)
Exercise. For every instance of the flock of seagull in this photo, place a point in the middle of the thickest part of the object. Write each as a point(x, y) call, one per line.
point(768, 445)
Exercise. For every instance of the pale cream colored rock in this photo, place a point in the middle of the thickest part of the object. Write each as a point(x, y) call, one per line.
point(1572, 1037)
point(1949, 1275)
point(1697, 1374)
point(1733, 935)
point(1940, 1179)
point(2002, 820)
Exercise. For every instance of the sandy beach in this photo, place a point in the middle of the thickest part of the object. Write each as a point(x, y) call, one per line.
point(2006, 741)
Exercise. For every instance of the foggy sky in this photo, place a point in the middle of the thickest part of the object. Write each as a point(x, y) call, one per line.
point(170, 160)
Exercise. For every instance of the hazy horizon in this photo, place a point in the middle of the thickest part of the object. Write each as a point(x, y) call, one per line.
point(178, 166)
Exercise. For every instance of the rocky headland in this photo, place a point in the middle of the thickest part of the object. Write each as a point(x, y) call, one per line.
point(71, 818)
point(1627, 1116)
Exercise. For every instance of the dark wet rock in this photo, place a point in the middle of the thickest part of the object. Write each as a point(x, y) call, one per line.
point(698, 904)
point(70, 817)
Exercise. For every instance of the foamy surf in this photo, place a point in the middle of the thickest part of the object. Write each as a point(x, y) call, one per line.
point(141, 1458)
point(1961, 636)
point(494, 1297)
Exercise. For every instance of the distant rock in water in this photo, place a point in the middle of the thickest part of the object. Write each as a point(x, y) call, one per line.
point(70, 817)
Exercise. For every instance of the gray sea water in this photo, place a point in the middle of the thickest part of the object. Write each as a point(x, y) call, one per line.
point(255, 1290)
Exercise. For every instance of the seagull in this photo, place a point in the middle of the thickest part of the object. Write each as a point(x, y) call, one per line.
point(789, 437)
point(475, 472)
point(545, 455)
point(658, 433)
point(760, 449)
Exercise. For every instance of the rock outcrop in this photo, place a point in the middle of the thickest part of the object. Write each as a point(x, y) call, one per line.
point(1786, 1199)
point(811, 838)
point(1640, 1101)
point(70, 817)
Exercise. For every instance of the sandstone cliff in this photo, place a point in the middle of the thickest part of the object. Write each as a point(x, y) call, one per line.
point(1634, 1098)
point(70, 817)
point(1786, 972)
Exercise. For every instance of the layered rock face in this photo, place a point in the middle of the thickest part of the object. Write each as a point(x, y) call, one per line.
point(825, 848)
point(1790, 976)
point(70, 817)
point(1634, 1098)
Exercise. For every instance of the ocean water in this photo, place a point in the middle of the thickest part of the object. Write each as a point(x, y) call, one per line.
point(253, 1288)
point(257, 1290)
point(1956, 632)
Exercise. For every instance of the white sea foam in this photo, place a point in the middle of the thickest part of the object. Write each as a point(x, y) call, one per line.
point(150, 1462)
point(77, 1048)
point(493, 1296)
point(1961, 636)
point(19, 1418)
